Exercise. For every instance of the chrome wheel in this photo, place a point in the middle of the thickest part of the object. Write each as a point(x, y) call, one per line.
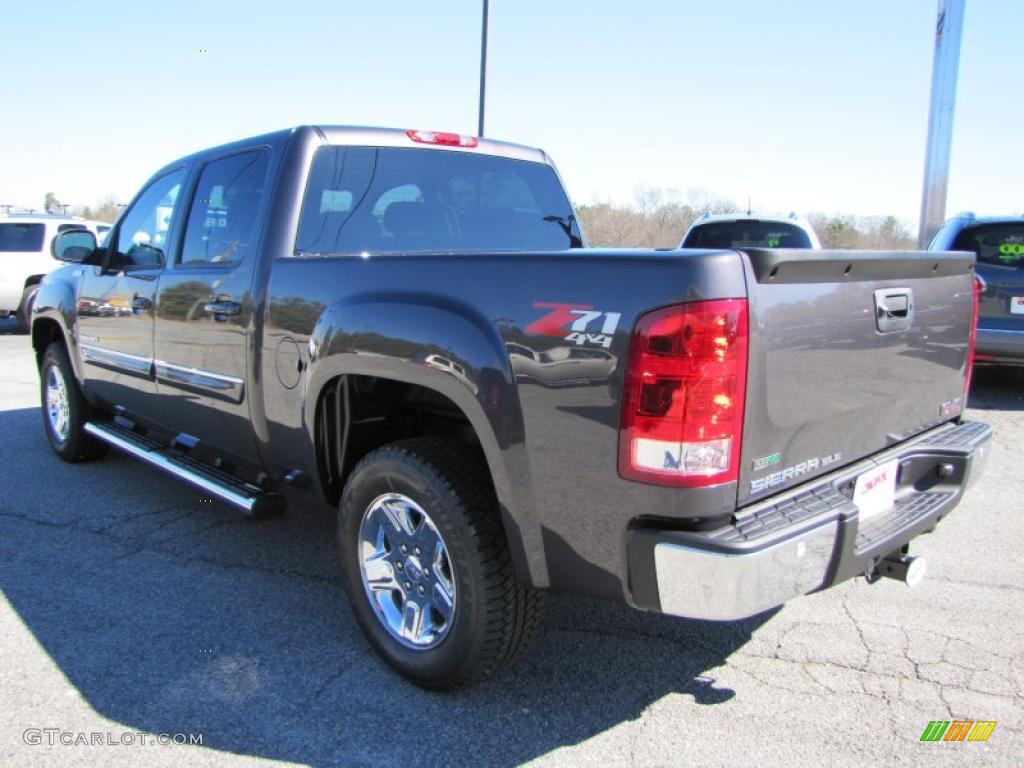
point(57, 410)
point(406, 571)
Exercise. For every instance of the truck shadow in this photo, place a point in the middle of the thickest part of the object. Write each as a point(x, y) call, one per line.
point(997, 388)
point(170, 614)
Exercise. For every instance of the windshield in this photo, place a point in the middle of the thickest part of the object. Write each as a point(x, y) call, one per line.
point(22, 238)
point(994, 243)
point(747, 233)
point(366, 199)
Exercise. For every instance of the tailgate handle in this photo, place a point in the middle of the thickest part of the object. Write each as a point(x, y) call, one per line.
point(896, 306)
point(894, 309)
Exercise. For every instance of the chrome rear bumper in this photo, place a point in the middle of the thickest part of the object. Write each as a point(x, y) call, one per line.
point(808, 538)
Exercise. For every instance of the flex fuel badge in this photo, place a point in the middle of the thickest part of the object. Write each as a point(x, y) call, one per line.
point(786, 474)
point(765, 461)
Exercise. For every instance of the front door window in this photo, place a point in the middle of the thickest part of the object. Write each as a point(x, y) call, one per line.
point(144, 230)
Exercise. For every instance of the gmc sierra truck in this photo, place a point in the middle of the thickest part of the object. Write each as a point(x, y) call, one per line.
point(409, 323)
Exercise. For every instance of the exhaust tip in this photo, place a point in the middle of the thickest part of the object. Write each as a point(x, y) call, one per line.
point(909, 570)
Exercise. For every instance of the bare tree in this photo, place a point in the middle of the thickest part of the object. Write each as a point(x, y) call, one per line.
point(105, 210)
point(658, 217)
point(51, 204)
point(876, 233)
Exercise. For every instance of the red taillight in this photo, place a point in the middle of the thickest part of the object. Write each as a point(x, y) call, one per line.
point(972, 341)
point(444, 139)
point(682, 405)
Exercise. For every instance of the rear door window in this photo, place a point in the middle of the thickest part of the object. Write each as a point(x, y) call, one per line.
point(747, 234)
point(1001, 244)
point(407, 200)
point(222, 223)
point(22, 237)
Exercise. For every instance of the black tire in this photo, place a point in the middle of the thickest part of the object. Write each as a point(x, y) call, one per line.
point(73, 444)
point(28, 300)
point(493, 613)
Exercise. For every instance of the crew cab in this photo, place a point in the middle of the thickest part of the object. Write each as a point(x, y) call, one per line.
point(389, 318)
point(998, 243)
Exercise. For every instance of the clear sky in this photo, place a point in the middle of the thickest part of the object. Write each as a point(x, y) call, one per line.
point(801, 104)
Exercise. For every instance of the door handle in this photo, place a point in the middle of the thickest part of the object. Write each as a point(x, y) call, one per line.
point(221, 309)
point(141, 303)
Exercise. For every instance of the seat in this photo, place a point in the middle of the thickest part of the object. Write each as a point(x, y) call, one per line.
point(416, 226)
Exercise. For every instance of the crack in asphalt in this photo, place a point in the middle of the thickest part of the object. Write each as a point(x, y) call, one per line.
point(328, 682)
point(810, 666)
point(813, 672)
point(982, 584)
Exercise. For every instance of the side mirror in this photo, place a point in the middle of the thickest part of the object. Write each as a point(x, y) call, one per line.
point(74, 245)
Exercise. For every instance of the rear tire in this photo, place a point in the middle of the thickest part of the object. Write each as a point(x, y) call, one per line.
point(472, 615)
point(65, 411)
point(28, 300)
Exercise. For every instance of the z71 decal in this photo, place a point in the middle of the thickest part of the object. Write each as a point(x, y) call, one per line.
point(586, 325)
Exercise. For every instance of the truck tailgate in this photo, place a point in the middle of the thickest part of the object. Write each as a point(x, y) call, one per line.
point(850, 351)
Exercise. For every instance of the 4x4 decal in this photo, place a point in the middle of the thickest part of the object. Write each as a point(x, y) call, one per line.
point(578, 318)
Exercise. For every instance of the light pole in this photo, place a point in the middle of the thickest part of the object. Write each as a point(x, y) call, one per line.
point(483, 70)
point(948, 29)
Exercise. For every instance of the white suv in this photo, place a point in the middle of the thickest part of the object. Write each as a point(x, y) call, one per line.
point(745, 230)
point(25, 256)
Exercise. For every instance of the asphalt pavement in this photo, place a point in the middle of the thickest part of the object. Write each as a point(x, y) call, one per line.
point(132, 607)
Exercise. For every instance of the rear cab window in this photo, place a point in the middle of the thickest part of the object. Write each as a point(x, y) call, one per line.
point(747, 234)
point(1000, 244)
point(406, 200)
point(22, 237)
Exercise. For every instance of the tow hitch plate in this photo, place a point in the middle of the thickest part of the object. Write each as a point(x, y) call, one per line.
point(875, 490)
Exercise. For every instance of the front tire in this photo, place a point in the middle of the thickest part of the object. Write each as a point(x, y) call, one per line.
point(426, 564)
point(65, 411)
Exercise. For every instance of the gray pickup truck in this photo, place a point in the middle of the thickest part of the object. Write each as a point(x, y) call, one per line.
point(409, 323)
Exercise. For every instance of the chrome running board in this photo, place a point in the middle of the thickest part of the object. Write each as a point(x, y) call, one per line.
point(231, 490)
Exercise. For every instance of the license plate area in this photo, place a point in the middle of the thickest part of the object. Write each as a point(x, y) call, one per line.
point(875, 490)
point(1017, 305)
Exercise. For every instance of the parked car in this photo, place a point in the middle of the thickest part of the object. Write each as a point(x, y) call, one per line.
point(442, 363)
point(739, 230)
point(26, 255)
point(998, 243)
point(562, 366)
point(393, 318)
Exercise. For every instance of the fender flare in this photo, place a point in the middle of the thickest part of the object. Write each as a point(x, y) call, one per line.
point(404, 336)
point(55, 303)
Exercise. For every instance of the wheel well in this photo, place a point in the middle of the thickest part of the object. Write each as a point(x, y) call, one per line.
point(34, 280)
point(357, 414)
point(45, 333)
